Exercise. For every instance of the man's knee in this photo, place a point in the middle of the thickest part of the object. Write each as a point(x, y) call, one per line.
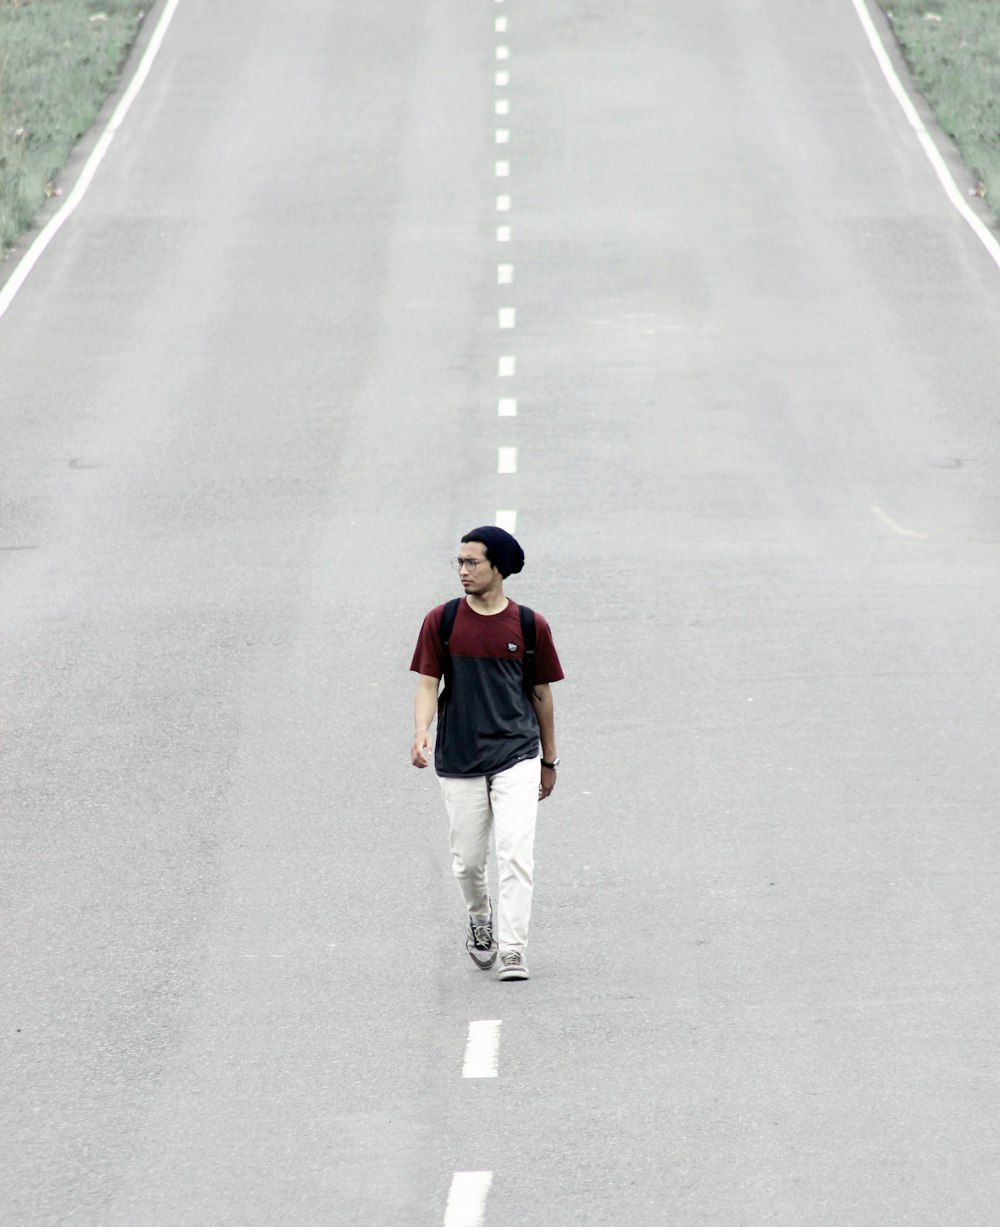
point(466, 868)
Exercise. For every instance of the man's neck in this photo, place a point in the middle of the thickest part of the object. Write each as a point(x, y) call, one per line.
point(489, 603)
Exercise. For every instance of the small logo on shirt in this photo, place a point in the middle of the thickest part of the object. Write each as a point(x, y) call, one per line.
point(512, 647)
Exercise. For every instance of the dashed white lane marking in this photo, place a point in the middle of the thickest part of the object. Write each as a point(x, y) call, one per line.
point(467, 1199)
point(897, 528)
point(923, 136)
point(466, 1206)
point(482, 1047)
point(506, 367)
point(56, 223)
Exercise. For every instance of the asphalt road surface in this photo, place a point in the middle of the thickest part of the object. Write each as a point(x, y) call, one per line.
point(250, 399)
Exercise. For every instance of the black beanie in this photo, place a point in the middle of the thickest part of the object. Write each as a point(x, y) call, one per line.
point(501, 548)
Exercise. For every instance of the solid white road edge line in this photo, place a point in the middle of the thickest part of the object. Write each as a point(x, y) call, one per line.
point(467, 1199)
point(897, 528)
point(56, 223)
point(923, 136)
point(482, 1049)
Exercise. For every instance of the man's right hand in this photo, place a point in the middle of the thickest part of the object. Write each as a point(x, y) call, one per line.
point(420, 751)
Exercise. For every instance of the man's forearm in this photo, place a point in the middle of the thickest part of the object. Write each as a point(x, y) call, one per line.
point(541, 700)
point(424, 708)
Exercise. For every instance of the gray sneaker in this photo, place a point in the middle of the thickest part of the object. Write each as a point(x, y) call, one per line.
point(512, 966)
point(479, 943)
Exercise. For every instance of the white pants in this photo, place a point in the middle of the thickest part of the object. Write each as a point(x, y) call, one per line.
point(507, 803)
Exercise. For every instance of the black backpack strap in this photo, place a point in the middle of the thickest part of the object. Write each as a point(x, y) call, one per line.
point(530, 639)
point(448, 615)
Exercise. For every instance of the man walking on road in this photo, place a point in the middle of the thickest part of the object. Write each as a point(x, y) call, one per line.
point(497, 659)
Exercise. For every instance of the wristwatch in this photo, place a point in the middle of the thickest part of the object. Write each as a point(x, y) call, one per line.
point(553, 764)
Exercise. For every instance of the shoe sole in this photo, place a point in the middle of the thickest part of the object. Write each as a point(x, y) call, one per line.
point(480, 964)
point(520, 974)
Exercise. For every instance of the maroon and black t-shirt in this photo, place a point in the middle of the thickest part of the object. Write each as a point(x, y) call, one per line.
point(488, 723)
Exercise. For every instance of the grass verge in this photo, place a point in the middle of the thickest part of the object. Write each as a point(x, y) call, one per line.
point(59, 60)
point(953, 50)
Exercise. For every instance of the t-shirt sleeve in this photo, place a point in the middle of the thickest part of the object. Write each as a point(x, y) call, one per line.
point(428, 657)
point(547, 666)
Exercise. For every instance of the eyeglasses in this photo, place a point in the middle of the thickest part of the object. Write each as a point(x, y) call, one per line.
point(469, 563)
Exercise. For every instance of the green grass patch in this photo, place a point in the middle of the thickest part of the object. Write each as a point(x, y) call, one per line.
point(953, 50)
point(59, 60)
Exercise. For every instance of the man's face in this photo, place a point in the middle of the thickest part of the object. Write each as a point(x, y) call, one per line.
point(475, 579)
